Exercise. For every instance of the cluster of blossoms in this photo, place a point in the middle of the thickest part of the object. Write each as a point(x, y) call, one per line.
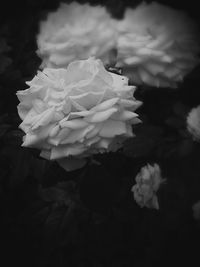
point(72, 113)
point(148, 181)
point(154, 44)
point(75, 108)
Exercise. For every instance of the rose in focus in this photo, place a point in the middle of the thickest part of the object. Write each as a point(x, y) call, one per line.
point(157, 45)
point(76, 31)
point(148, 181)
point(73, 113)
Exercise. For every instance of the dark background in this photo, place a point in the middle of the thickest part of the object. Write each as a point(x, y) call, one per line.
point(88, 217)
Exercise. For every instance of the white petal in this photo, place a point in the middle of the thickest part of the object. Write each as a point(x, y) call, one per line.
point(106, 104)
point(46, 154)
point(77, 135)
point(44, 118)
point(71, 164)
point(101, 116)
point(87, 100)
point(124, 115)
point(73, 124)
point(54, 131)
point(112, 128)
point(65, 151)
point(62, 135)
point(92, 141)
point(95, 131)
point(104, 143)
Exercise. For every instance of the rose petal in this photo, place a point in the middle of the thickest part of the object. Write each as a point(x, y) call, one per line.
point(77, 135)
point(124, 115)
point(66, 150)
point(87, 100)
point(106, 104)
point(112, 128)
point(101, 116)
point(71, 164)
point(44, 119)
point(73, 124)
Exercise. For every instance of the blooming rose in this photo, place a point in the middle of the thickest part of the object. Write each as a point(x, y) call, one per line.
point(72, 113)
point(76, 31)
point(148, 181)
point(157, 45)
point(193, 123)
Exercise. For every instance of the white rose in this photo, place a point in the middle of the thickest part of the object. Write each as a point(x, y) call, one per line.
point(72, 113)
point(193, 123)
point(157, 45)
point(148, 181)
point(76, 31)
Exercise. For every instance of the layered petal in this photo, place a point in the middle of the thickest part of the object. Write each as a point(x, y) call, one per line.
point(70, 117)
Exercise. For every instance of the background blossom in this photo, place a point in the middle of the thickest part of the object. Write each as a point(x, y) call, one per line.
point(193, 123)
point(74, 112)
point(148, 181)
point(76, 31)
point(157, 45)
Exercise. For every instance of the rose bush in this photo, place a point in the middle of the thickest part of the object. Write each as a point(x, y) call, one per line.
point(148, 181)
point(76, 31)
point(72, 113)
point(157, 45)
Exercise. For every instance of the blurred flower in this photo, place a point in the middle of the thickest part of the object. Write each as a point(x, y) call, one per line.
point(157, 45)
point(5, 61)
point(196, 210)
point(72, 113)
point(193, 123)
point(148, 181)
point(76, 31)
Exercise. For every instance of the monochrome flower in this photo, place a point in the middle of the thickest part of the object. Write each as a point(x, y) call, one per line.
point(76, 31)
point(148, 181)
point(73, 113)
point(157, 45)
